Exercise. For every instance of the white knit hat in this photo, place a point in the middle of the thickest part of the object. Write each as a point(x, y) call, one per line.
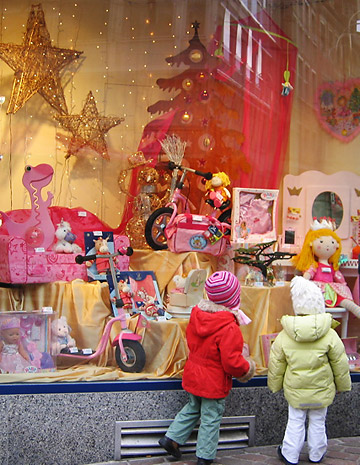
point(307, 298)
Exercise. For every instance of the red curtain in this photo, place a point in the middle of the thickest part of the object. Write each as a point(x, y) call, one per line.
point(258, 70)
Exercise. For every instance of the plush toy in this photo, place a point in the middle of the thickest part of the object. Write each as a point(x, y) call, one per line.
point(151, 309)
point(319, 261)
point(101, 248)
point(66, 239)
point(60, 336)
point(125, 295)
point(179, 283)
point(217, 192)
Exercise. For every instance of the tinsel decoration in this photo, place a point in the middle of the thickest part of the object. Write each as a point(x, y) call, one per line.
point(88, 129)
point(37, 65)
point(174, 148)
point(147, 199)
point(135, 160)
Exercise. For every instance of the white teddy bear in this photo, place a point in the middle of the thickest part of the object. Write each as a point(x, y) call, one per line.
point(66, 239)
point(180, 282)
point(60, 336)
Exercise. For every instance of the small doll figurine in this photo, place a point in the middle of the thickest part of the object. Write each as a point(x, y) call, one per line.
point(13, 356)
point(125, 295)
point(101, 248)
point(319, 262)
point(217, 192)
point(286, 86)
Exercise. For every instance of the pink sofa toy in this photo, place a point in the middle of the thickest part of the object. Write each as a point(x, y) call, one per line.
point(23, 264)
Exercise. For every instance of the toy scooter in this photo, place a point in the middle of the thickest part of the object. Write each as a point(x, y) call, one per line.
point(129, 353)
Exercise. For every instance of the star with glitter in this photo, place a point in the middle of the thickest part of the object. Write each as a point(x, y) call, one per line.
point(37, 65)
point(88, 129)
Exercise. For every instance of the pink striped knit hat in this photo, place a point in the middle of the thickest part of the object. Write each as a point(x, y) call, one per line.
point(223, 288)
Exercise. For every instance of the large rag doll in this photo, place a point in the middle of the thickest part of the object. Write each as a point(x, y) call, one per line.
point(319, 262)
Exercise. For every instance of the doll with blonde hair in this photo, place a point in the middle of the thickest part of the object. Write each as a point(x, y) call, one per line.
point(13, 356)
point(319, 262)
point(217, 192)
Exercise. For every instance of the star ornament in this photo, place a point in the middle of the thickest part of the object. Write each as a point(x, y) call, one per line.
point(88, 129)
point(37, 65)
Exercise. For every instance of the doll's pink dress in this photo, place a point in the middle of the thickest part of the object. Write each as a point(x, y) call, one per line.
point(325, 275)
point(255, 213)
point(11, 360)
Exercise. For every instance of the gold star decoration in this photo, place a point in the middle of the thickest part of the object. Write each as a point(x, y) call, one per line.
point(88, 129)
point(37, 65)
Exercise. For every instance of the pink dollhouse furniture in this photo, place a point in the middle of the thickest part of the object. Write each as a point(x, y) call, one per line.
point(315, 194)
point(22, 264)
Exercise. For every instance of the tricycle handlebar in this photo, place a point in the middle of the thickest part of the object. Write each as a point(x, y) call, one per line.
point(207, 175)
point(79, 259)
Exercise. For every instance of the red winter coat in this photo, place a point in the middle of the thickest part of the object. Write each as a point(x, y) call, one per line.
point(215, 343)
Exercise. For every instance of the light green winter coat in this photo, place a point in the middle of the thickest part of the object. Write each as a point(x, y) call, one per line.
point(308, 360)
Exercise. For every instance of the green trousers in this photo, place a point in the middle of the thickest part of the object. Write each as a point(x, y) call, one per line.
point(209, 412)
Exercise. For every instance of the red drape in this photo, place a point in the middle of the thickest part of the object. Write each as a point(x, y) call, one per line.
point(259, 74)
point(256, 72)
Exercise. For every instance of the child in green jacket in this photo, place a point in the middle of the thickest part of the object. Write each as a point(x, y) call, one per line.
point(308, 361)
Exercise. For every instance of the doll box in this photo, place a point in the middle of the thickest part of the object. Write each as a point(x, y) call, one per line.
point(25, 342)
point(254, 214)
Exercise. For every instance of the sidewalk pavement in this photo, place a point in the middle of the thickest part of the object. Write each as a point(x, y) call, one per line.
point(341, 451)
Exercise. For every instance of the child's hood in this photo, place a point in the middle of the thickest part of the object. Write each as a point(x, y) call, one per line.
point(207, 318)
point(307, 328)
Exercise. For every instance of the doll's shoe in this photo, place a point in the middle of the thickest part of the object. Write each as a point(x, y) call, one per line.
point(204, 462)
point(283, 459)
point(170, 446)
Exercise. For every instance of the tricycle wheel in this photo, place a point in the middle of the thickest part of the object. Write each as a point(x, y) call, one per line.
point(135, 354)
point(225, 217)
point(155, 226)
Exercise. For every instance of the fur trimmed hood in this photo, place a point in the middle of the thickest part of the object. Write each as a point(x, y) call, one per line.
point(211, 307)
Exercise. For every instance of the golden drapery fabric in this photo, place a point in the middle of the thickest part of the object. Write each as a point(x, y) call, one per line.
point(166, 264)
point(87, 308)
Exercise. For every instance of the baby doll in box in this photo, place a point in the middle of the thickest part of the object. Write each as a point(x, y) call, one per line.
point(319, 261)
point(13, 356)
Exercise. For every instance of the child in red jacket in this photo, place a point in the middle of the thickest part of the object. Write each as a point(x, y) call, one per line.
point(215, 356)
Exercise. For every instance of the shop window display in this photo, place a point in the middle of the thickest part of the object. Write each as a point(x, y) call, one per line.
point(242, 86)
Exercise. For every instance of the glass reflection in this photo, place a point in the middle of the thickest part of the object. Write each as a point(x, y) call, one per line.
point(328, 204)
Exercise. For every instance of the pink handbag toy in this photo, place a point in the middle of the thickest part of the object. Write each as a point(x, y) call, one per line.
point(196, 233)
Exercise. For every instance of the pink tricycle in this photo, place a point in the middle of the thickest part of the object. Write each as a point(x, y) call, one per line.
point(129, 353)
point(163, 218)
